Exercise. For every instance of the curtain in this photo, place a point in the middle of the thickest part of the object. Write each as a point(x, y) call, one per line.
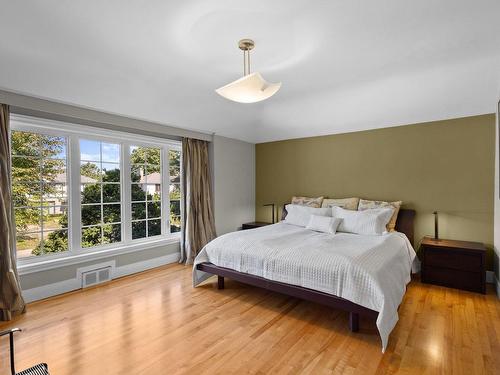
point(198, 227)
point(11, 301)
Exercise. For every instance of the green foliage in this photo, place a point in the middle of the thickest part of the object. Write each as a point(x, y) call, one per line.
point(145, 155)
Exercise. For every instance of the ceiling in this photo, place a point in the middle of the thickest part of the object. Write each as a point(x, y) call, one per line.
point(345, 65)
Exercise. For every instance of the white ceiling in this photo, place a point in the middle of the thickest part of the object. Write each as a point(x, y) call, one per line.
point(345, 65)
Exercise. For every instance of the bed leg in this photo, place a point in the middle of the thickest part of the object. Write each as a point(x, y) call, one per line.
point(220, 282)
point(354, 322)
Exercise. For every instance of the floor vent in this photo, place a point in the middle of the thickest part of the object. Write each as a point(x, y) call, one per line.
point(97, 276)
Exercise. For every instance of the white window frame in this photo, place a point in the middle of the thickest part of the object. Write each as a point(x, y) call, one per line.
point(74, 133)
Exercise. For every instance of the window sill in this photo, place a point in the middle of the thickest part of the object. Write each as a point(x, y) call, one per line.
point(70, 259)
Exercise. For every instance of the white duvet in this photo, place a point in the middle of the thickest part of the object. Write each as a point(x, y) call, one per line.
point(371, 271)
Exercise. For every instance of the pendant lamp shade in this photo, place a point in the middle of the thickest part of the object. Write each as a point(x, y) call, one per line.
point(249, 89)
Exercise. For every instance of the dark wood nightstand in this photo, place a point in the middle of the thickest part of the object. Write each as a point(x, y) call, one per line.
point(254, 224)
point(456, 264)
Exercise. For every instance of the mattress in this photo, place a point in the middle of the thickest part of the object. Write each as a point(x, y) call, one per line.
point(371, 271)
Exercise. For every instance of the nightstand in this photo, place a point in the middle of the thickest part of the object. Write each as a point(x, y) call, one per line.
point(254, 224)
point(456, 264)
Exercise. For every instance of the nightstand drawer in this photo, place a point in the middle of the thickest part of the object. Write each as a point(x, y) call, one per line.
point(453, 278)
point(452, 259)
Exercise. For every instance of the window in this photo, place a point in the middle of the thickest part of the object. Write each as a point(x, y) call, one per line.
point(83, 191)
point(100, 193)
point(146, 179)
point(39, 189)
point(174, 158)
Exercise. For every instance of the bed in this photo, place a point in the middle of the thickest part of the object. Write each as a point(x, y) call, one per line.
point(364, 275)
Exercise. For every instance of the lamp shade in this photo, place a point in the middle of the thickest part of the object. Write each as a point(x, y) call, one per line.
point(249, 89)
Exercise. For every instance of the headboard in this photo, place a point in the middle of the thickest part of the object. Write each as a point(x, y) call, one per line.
point(404, 223)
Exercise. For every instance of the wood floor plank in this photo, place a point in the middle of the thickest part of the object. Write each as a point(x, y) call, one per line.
point(157, 323)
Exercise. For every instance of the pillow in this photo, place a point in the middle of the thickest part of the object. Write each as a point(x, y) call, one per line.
point(366, 205)
point(347, 203)
point(372, 221)
point(306, 201)
point(323, 224)
point(299, 215)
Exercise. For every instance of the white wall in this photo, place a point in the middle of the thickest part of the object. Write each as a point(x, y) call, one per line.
point(497, 210)
point(234, 183)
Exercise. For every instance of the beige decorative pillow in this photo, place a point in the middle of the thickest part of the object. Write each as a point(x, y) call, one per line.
point(366, 205)
point(346, 203)
point(307, 201)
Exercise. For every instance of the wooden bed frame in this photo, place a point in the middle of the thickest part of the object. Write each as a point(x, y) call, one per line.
point(404, 224)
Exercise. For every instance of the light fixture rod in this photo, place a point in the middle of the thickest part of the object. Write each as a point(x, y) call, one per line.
point(246, 45)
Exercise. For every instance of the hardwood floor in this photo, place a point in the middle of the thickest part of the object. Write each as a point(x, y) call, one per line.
point(156, 323)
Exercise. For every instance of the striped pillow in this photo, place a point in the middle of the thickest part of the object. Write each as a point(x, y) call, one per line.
point(368, 222)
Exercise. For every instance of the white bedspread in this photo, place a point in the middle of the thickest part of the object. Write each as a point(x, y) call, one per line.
point(371, 271)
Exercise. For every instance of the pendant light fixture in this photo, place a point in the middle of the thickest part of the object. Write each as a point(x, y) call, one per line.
point(251, 87)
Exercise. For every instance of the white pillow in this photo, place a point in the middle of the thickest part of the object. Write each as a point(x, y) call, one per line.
point(323, 224)
point(299, 215)
point(372, 221)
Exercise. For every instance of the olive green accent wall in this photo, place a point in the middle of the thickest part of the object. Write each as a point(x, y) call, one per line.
point(446, 166)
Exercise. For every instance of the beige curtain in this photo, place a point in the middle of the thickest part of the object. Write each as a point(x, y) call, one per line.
point(11, 301)
point(198, 224)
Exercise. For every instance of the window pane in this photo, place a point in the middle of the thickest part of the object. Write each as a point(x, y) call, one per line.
point(138, 211)
point(26, 193)
point(137, 173)
point(154, 192)
point(154, 227)
point(53, 147)
point(175, 224)
point(175, 192)
point(138, 192)
point(153, 174)
point(154, 209)
point(24, 143)
point(91, 236)
point(138, 229)
point(154, 156)
point(112, 233)
point(111, 172)
point(40, 193)
point(175, 208)
point(55, 217)
point(28, 219)
point(91, 215)
point(53, 170)
point(90, 172)
point(55, 241)
point(110, 152)
point(137, 155)
point(27, 243)
point(91, 193)
point(110, 193)
point(90, 150)
point(111, 213)
point(54, 193)
point(25, 169)
point(174, 165)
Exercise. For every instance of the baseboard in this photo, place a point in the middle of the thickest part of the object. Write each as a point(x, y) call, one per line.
point(132, 268)
point(50, 290)
point(65, 286)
